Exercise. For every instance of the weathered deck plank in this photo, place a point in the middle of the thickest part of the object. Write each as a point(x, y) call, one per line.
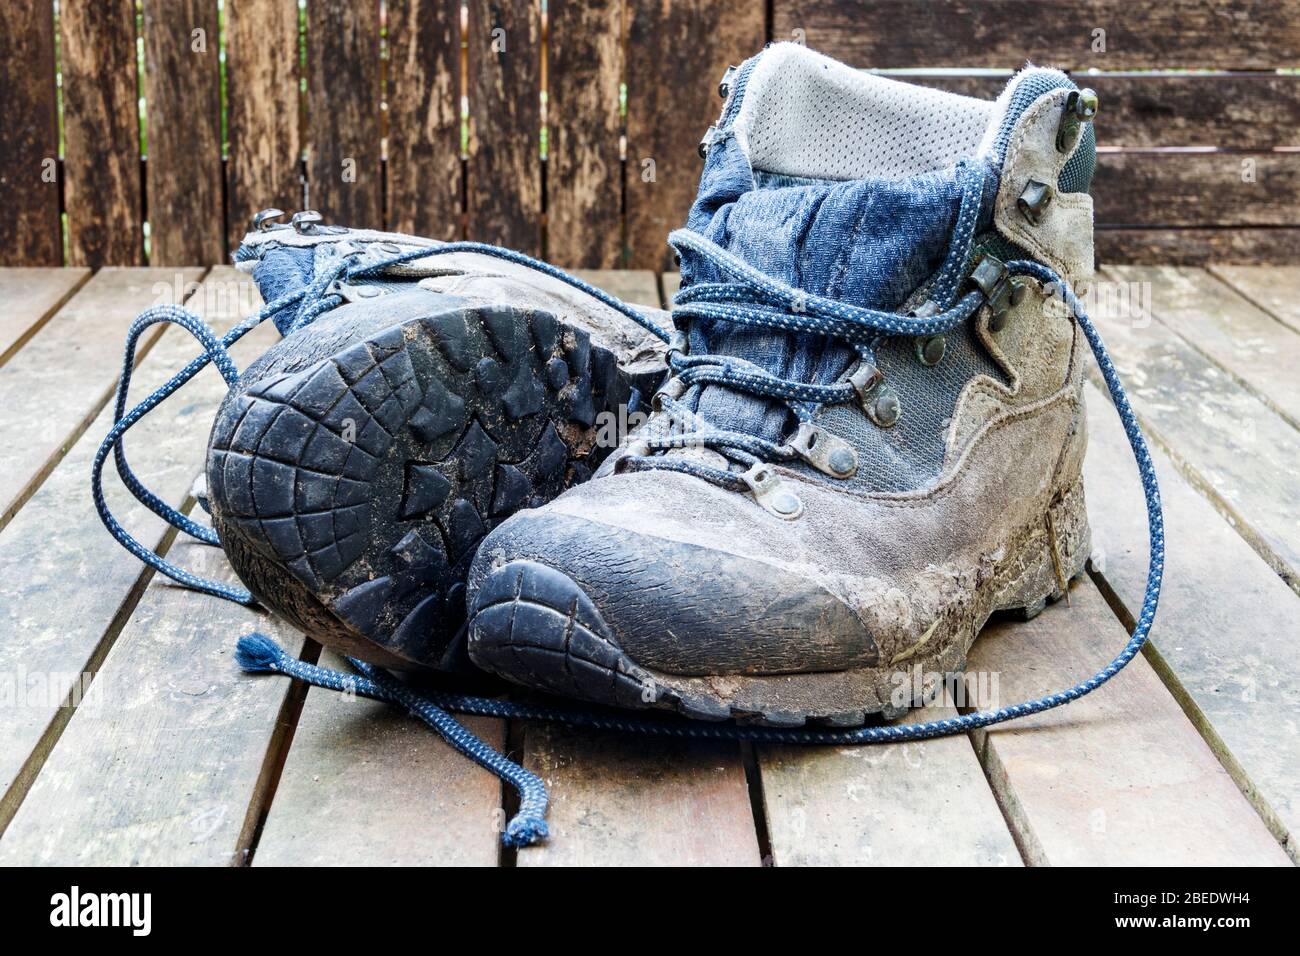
point(925, 803)
point(1232, 332)
point(367, 784)
point(1224, 439)
point(162, 762)
point(59, 627)
point(72, 362)
point(30, 295)
point(1273, 288)
point(1120, 777)
point(621, 800)
point(1228, 626)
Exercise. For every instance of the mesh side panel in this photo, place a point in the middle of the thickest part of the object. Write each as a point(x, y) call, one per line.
point(1000, 246)
point(910, 454)
point(1076, 177)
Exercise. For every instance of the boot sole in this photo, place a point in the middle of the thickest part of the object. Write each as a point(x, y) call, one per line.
point(534, 625)
point(350, 495)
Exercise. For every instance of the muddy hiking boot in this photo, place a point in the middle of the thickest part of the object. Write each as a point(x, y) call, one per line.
point(356, 465)
point(418, 396)
point(872, 436)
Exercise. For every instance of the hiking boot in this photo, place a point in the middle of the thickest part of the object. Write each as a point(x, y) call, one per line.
point(872, 436)
point(355, 466)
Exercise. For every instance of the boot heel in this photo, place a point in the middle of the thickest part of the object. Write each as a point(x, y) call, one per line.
point(350, 491)
point(1051, 556)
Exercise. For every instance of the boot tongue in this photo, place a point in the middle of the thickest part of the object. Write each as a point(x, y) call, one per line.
point(869, 243)
point(279, 271)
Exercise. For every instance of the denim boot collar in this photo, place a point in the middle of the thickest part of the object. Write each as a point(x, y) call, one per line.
point(869, 242)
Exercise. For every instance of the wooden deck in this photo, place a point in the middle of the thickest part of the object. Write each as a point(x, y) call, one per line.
point(132, 738)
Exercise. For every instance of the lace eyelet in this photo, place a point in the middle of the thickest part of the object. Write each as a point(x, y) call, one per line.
point(671, 389)
point(826, 452)
point(307, 222)
point(930, 349)
point(264, 221)
point(885, 409)
point(878, 400)
point(771, 493)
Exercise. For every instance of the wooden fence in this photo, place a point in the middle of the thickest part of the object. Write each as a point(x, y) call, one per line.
point(570, 130)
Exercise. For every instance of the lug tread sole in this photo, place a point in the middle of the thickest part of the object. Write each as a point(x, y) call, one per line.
point(351, 495)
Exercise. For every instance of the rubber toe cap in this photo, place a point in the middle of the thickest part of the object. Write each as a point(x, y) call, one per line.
point(667, 605)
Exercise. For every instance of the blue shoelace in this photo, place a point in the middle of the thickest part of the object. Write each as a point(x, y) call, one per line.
point(313, 301)
point(752, 298)
point(759, 300)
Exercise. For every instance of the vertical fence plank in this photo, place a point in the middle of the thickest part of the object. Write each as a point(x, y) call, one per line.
point(677, 51)
point(101, 133)
point(263, 111)
point(504, 174)
point(584, 173)
point(344, 174)
point(424, 168)
point(29, 137)
point(183, 132)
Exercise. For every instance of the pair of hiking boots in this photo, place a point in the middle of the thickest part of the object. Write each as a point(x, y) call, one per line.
point(863, 428)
